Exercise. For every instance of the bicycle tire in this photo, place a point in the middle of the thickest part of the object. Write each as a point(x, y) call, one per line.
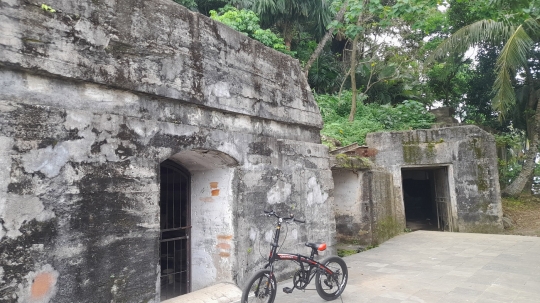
point(251, 292)
point(330, 287)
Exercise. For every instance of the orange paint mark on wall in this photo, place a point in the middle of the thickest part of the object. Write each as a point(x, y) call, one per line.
point(213, 184)
point(206, 199)
point(224, 246)
point(42, 285)
point(215, 192)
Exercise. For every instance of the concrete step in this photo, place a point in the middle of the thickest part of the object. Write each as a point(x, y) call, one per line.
point(219, 293)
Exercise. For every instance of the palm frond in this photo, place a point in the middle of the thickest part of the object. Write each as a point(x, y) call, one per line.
point(513, 55)
point(532, 26)
point(470, 35)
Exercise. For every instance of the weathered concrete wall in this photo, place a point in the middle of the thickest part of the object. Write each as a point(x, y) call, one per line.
point(470, 155)
point(365, 206)
point(213, 226)
point(93, 98)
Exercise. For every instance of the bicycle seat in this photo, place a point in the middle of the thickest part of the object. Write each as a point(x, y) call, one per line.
point(318, 245)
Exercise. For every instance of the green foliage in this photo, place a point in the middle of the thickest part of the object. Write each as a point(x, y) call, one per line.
point(369, 117)
point(288, 16)
point(511, 145)
point(247, 22)
point(47, 8)
point(190, 4)
point(325, 73)
point(449, 82)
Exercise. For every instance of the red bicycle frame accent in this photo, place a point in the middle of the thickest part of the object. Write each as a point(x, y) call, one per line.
point(274, 256)
point(300, 258)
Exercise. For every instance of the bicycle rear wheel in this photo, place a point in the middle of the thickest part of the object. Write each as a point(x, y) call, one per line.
point(261, 287)
point(330, 286)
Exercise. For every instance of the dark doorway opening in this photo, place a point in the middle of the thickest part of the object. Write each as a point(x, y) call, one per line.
point(175, 227)
point(426, 198)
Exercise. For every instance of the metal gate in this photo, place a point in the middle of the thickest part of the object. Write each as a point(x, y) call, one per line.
point(175, 226)
point(442, 199)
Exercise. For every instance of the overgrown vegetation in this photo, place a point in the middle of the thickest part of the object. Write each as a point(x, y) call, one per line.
point(368, 118)
point(247, 22)
point(389, 60)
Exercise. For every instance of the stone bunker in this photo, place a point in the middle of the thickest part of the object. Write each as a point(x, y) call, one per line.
point(140, 143)
point(436, 179)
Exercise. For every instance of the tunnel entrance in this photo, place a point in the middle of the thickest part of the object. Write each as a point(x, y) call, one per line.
point(426, 198)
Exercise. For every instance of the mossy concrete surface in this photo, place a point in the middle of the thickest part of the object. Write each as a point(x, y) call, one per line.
point(365, 207)
point(468, 153)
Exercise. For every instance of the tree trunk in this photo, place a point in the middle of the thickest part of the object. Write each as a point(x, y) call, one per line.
point(324, 40)
point(354, 62)
point(353, 78)
point(517, 186)
point(287, 33)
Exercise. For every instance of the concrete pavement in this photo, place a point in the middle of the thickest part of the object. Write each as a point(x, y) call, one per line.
point(425, 266)
point(219, 293)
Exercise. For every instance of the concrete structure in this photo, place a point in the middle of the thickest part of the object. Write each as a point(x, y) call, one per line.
point(365, 204)
point(446, 176)
point(436, 179)
point(106, 106)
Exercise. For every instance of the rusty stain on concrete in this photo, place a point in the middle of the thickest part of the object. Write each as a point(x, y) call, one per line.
point(215, 192)
point(224, 245)
point(42, 285)
point(213, 185)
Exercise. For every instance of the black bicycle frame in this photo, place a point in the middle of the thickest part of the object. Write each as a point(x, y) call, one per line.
point(301, 259)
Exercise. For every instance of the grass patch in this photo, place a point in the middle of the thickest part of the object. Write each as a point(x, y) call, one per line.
point(524, 211)
point(346, 252)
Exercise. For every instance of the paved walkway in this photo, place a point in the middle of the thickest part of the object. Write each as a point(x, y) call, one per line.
point(426, 266)
point(219, 293)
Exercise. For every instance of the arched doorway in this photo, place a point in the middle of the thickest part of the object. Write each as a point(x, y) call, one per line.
point(197, 241)
point(175, 229)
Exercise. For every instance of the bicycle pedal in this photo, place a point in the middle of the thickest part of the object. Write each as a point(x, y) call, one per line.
point(287, 290)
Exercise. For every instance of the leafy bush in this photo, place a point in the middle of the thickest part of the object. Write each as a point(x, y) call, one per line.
point(247, 22)
point(512, 146)
point(369, 117)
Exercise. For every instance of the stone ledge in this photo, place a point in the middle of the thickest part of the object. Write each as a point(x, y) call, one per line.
point(219, 293)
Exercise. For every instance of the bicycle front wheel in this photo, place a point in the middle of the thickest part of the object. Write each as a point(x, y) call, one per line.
point(330, 286)
point(261, 287)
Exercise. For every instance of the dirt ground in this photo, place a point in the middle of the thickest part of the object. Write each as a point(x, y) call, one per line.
point(525, 214)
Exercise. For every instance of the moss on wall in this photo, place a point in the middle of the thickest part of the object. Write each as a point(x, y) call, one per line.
point(386, 228)
point(353, 162)
point(481, 181)
point(414, 151)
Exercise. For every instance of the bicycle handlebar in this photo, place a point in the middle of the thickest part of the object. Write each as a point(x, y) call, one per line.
point(272, 213)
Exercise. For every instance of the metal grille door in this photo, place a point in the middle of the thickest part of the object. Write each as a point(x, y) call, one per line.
point(442, 198)
point(175, 230)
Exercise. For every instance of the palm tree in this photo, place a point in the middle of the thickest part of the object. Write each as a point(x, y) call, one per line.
point(287, 15)
point(520, 36)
